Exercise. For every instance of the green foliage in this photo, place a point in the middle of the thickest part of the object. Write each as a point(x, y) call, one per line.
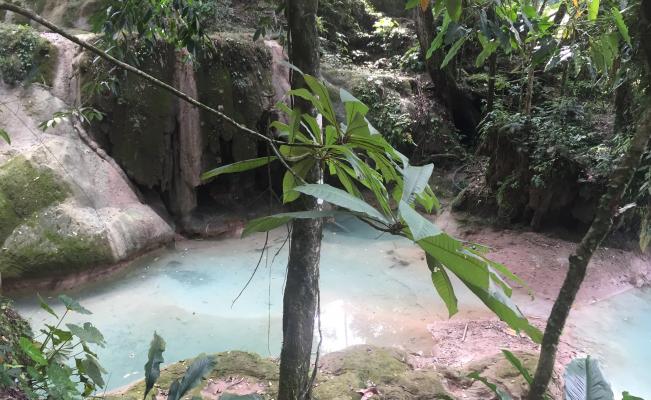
point(155, 359)
point(5, 136)
point(197, 371)
point(126, 24)
point(84, 115)
point(22, 51)
point(62, 366)
point(585, 381)
point(359, 158)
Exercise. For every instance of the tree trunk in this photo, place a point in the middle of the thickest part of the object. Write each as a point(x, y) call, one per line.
point(302, 288)
point(604, 216)
point(465, 112)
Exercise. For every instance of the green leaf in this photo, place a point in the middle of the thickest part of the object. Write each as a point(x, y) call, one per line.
point(440, 36)
point(239, 166)
point(87, 333)
point(45, 306)
point(62, 386)
point(94, 370)
point(621, 25)
point(515, 361)
point(195, 373)
point(265, 224)
point(5, 136)
point(341, 198)
point(498, 302)
point(412, 4)
point(628, 396)
point(499, 392)
point(593, 9)
point(453, 51)
point(454, 8)
point(585, 381)
point(301, 168)
point(416, 180)
point(73, 305)
point(324, 102)
point(443, 285)
point(29, 348)
point(449, 252)
point(155, 359)
point(419, 226)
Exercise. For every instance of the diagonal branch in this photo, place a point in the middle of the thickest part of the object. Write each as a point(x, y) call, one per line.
point(102, 54)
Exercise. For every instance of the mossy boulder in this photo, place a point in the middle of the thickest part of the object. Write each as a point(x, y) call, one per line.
point(25, 56)
point(24, 190)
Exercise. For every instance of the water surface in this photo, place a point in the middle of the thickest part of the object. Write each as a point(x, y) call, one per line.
point(375, 290)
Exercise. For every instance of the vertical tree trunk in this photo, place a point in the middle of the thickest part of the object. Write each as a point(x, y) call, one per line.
point(302, 288)
point(604, 216)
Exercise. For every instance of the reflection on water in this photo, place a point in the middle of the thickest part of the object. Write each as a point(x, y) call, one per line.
point(374, 290)
point(618, 332)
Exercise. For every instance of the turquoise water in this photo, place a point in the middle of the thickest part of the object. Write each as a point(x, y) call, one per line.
point(617, 331)
point(375, 290)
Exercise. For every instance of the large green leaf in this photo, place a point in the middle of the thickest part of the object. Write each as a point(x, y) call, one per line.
point(440, 36)
point(195, 373)
point(93, 370)
point(45, 306)
point(443, 285)
point(34, 353)
point(341, 198)
point(87, 333)
point(585, 381)
point(499, 392)
point(415, 181)
point(239, 166)
point(73, 305)
point(517, 364)
point(301, 168)
point(454, 8)
point(593, 9)
point(155, 359)
point(265, 224)
point(453, 51)
point(628, 396)
point(449, 252)
point(498, 302)
point(621, 25)
point(419, 226)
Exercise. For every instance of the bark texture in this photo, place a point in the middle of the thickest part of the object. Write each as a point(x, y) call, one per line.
point(603, 222)
point(302, 289)
point(464, 110)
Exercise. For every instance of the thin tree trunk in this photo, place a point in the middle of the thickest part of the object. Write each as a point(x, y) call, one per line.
point(605, 214)
point(491, 82)
point(302, 288)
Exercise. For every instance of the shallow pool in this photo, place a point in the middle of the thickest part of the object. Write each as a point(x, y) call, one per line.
point(375, 289)
point(617, 331)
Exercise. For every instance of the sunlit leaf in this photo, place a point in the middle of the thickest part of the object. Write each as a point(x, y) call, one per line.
point(73, 305)
point(341, 198)
point(584, 380)
point(443, 285)
point(239, 166)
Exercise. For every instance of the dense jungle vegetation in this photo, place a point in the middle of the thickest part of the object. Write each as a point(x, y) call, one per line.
point(177, 117)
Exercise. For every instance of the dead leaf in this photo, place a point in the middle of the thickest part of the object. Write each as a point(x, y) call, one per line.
point(424, 4)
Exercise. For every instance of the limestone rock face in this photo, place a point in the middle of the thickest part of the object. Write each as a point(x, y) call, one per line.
point(63, 206)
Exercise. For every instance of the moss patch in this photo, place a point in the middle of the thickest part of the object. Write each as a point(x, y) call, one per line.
point(41, 248)
point(341, 374)
point(25, 190)
point(25, 55)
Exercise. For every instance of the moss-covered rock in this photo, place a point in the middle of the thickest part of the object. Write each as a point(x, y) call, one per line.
point(341, 375)
point(24, 190)
point(25, 55)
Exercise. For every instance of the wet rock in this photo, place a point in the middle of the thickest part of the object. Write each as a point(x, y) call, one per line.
point(65, 208)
